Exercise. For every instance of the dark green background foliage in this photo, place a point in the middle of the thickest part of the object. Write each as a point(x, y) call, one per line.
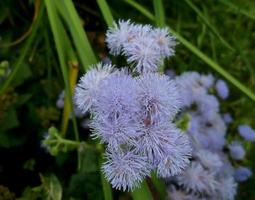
point(40, 40)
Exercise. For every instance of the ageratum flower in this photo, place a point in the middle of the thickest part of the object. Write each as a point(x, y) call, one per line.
point(114, 110)
point(237, 151)
point(242, 174)
point(246, 132)
point(227, 188)
point(86, 89)
point(144, 54)
point(125, 169)
point(165, 42)
point(222, 89)
point(208, 159)
point(158, 96)
point(143, 46)
point(198, 180)
point(121, 33)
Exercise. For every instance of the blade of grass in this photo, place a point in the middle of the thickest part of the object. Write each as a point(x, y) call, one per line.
point(140, 8)
point(106, 12)
point(24, 52)
point(142, 193)
point(159, 13)
point(237, 9)
point(160, 186)
point(81, 42)
point(59, 42)
point(208, 23)
point(214, 65)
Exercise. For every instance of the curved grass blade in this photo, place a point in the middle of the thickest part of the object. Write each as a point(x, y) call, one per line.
point(207, 22)
point(106, 12)
point(140, 8)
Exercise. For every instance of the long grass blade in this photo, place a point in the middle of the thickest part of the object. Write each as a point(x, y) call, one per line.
point(106, 12)
point(159, 13)
point(81, 42)
point(140, 8)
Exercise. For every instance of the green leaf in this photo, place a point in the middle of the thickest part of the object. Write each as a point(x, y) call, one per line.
point(105, 10)
point(9, 121)
point(89, 161)
point(142, 193)
point(52, 187)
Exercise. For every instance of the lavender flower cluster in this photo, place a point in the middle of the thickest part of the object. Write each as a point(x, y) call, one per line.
point(211, 174)
point(133, 115)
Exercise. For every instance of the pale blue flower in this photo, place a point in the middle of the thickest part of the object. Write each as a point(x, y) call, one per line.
point(246, 132)
point(242, 174)
point(158, 96)
point(222, 89)
point(114, 109)
point(198, 180)
point(86, 89)
point(237, 151)
point(125, 170)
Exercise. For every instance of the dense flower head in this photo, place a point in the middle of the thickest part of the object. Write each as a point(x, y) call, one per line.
point(222, 89)
point(246, 132)
point(242, 174)
point(125, 169)
point(88, 85)
point(197, 179)
point(143, 45)
point(133, 117)
point(237, 151)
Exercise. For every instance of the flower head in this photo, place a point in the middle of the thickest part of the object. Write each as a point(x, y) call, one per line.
point(242, 174)
point(237, 151)
point(88, 85)
point(222, 89)
point(246, 132)
point(125, 169)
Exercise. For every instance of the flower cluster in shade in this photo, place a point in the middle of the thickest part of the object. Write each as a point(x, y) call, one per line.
point(211, 174)
point(133, 115)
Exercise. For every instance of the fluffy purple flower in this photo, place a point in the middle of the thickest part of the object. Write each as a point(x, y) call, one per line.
point(125, 170)
point(209, 160)
point(222, 89)
point(144, 54)
point(246, 132)
point(87, 87)
point(158, 96)
point(198, 180)
point(121, 33)
point(237, 151)
point(242, 174)
point(227, 188)
point(114, 109)
point(164, 41)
